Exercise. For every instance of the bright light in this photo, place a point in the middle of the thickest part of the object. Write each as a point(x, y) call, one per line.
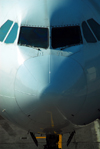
point(20, 57)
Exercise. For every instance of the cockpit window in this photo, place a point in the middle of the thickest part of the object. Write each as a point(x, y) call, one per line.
point(95, 27)
point(4, 29)
point(87, 33)
point(66, 36)
point(34, 36)
point(12, 35)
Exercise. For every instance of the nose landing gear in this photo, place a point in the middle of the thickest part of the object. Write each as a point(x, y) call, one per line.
point(52, 141)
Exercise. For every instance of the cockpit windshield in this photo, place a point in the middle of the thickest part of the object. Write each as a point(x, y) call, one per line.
point(66, 36)
point(60, 36)
point(34, 37)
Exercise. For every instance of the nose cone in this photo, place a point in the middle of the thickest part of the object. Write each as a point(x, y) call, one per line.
point(50, 79)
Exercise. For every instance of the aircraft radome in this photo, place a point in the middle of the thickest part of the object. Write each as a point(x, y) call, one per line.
point(50, 65)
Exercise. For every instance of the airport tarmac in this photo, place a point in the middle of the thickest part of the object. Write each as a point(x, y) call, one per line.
point(12, 137)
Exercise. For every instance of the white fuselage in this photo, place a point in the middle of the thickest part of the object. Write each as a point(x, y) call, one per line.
point(47, 90)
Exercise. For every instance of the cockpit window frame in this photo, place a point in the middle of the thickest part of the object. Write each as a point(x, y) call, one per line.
point(4, 29)
point(87, 33)
point(38, 47)
point(95, 27)
point(66, 46)
point(12, 34)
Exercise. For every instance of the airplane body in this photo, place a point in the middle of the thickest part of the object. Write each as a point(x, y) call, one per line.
point(50, 64)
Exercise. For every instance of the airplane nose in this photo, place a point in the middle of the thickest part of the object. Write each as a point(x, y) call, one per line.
point(50, 79)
